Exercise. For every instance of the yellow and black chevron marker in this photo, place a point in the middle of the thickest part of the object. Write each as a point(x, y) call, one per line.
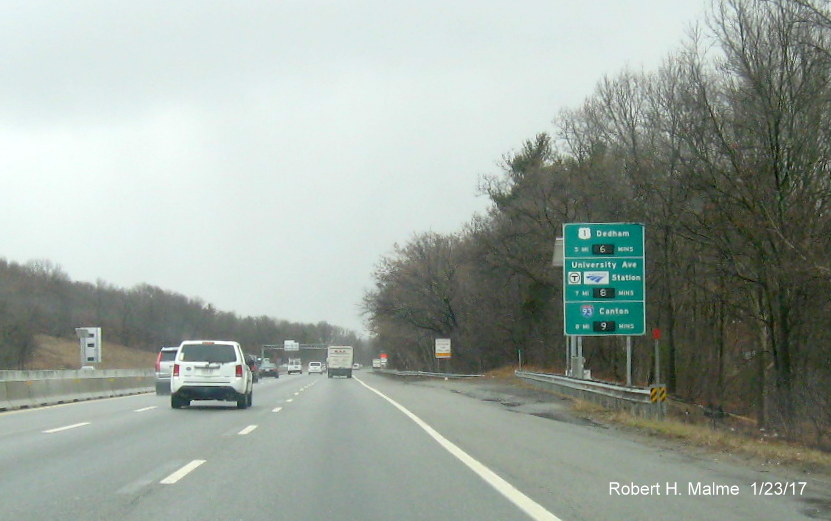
point(658, 393)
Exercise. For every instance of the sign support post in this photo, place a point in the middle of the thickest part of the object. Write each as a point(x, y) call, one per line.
point(656, 334)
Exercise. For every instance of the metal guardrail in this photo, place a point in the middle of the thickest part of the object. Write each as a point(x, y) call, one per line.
point(635, 399)
point(425, 374)
point(634, 394)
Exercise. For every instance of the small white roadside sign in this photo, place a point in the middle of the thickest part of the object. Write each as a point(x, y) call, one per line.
point(442, 348)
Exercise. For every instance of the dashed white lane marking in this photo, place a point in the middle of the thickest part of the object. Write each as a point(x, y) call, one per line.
point(182, 472)
point(297, 393)
point(534, 510)
point(66, 428)
point(146, 408)
point(277, 409)
point(246, 430)
point(150, 477)
point(84, 402)
point(289, 400)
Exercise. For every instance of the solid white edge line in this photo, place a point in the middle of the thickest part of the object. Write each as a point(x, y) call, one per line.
point(182, 472)
point(246, 430)
point(525, 503)
point(66, 428)
point(277, 409)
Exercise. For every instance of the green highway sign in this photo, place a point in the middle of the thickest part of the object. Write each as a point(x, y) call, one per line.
point(604, 279)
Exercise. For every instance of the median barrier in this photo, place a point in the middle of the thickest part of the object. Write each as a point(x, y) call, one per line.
point(18, 395)
point(22, 389)
point(4, 401)
point(38, 392)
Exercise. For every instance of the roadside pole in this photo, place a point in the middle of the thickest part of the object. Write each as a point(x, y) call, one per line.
point(656, 334)
point(629, 361)
point(569, 356)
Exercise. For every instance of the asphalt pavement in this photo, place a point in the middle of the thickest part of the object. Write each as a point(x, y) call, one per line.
point(368, 448)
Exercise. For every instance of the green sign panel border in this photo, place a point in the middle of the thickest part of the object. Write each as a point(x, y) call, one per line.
point(610, 256)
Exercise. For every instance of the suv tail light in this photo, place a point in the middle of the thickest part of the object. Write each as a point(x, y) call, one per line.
point(175, 369)
point(159, 362)
point(239, 371)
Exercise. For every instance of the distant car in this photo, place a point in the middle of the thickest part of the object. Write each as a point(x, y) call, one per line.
point(164, 366)
point(253, 364)
point(356, 366)
point(269, 369)
point(315, 367)
point(211, 370)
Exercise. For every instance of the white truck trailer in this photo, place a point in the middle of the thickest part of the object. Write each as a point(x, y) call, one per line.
point(339, 361)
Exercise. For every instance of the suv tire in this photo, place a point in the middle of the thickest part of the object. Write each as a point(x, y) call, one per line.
point(242, 401)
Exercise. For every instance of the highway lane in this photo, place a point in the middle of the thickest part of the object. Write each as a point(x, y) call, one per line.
point(88, 471)
point(317, 448)
point(306, 450)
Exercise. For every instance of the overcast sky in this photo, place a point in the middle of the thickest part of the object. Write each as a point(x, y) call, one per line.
point(264, 155)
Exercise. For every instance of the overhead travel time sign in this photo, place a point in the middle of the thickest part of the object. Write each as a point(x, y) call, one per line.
point(604, 279)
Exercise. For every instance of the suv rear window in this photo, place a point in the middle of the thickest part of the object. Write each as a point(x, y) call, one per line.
point(167, 356)
point(221, 353)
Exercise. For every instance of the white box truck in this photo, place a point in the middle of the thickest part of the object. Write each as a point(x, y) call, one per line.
point(339, 361)
point(295, 366)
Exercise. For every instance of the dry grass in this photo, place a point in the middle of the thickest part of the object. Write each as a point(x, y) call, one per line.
point(508, 371)
point(502, 372)
point(585, 407)
point(62, 353)
point(763, 450)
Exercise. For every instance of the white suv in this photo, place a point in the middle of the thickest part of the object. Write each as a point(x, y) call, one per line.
point(210, 370)
point(164, 366)
point(315, 367)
